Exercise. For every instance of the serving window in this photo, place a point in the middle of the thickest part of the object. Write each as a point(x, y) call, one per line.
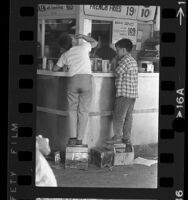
point(49, 31)
point(101, 29)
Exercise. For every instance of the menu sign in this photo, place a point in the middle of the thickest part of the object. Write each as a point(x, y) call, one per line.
point(146, 13)
point(124, 29)
point(55, 10)
point(120, 11)
point(116, 11)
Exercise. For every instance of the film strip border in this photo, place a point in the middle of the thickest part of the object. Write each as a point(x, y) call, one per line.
point(22, 109)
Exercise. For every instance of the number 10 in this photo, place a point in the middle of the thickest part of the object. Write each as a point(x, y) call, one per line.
point(145, 13)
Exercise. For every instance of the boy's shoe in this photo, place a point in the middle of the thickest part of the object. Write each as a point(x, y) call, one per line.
point(114, 140)
point(129, 147)
point(126, 141)
point(72, 141)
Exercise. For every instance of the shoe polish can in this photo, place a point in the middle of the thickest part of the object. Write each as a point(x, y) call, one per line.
point(44, 63)
point(57, 157)
point(50, 65)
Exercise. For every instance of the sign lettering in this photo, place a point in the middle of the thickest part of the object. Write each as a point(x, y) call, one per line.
point(124, 29)
point(55, 10)
point(146, 13)
point(115, 11)
point(140, 13)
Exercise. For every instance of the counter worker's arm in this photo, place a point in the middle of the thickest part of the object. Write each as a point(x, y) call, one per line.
point(89, 39)
point(60, 63)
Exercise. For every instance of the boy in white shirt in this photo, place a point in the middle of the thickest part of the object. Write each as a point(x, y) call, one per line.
point(79, 87)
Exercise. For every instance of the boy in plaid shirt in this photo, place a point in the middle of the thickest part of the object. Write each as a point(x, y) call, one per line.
point(126, 83)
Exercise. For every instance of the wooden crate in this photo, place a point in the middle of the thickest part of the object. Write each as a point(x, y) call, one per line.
point(102, 157)
point(76, 156)
point(122, 157)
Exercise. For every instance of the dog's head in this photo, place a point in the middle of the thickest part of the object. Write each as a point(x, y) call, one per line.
point(42, 144)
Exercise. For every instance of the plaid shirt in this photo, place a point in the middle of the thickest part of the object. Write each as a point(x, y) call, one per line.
point(126, 80)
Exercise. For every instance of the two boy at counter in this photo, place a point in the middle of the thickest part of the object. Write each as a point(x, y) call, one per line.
point(79, 88)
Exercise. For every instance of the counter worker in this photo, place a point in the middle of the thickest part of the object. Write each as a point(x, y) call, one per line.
point(105, 52)
point(79, 84)
point(126, 83)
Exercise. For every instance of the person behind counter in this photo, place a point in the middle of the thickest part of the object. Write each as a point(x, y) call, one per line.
point(105, 52)
point(79, 86)
point(126, 82)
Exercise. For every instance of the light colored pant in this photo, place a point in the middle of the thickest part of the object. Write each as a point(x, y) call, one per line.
point(122, 117)
point(79, 94)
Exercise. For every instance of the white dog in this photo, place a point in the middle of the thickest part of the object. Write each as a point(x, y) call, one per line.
point(44, 174)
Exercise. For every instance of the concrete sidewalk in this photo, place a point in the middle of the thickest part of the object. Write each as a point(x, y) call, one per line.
point(135, 176)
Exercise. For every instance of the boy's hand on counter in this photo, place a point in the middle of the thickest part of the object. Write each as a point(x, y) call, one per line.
point(114, 63)
point(56, 68)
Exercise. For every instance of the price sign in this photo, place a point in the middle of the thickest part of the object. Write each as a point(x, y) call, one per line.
point(131, 11)
point(124, 29)
point(146, 13)
point(140, 13)
point(54, 10)
point(115, 11)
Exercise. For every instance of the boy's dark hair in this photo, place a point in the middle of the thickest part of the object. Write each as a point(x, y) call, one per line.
point(65, 41)
point(125, 43)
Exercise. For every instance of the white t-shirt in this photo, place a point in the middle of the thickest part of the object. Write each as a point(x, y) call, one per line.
point(77, 59)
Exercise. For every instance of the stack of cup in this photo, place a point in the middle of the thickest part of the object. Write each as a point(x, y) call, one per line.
point(105, 66)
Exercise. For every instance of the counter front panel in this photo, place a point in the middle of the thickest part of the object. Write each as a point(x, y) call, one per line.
point(51, 107)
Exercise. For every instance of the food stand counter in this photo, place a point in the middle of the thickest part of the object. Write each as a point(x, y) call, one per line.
point(51, 114)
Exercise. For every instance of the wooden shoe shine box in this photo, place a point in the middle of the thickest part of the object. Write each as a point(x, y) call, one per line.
point(76, 156)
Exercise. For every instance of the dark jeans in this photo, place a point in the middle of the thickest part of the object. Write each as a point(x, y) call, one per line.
point(122, 117)
point(79, 94)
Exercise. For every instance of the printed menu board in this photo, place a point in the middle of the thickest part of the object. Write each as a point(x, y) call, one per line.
point(55, 10)
point(124, 29)
point(146, 13)
point(141, 13)
point(117, 11)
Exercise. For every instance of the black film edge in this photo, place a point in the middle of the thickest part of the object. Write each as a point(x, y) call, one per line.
point(24, 108)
